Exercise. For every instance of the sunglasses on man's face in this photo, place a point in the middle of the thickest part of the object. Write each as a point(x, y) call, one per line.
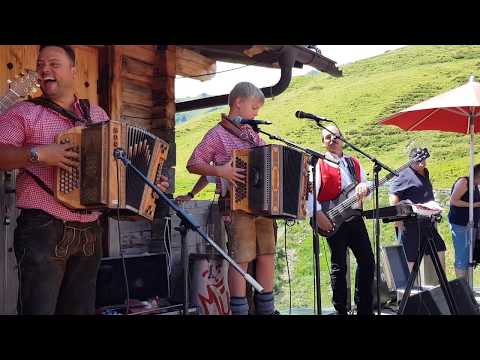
point(330, 137)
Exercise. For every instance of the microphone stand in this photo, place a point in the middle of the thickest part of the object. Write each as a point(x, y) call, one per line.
point(377, 167)
point(187, 223)
point(314, 157)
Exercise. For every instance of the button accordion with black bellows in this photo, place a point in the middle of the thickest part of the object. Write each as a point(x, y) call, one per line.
point(276, 182)
point(94, 184)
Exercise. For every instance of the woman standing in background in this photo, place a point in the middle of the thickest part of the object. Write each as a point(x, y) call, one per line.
point(458, 219)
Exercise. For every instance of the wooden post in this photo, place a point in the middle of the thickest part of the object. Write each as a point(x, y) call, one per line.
point(116, 83)
point(163, 88)
point(163, 112)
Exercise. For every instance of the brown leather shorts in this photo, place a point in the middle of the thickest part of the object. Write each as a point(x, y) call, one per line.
point(250, 236)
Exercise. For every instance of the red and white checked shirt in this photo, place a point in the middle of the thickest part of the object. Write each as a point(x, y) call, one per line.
point(218, 144)
point(27, 124)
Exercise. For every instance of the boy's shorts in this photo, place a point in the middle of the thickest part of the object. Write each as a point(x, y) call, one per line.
point(250, 236)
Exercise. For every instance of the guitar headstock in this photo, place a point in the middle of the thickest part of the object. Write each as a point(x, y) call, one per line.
point(26, 84)
point(420, 155)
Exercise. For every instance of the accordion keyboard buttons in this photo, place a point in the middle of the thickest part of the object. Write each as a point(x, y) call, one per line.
point(69, 180)
point(241, 189)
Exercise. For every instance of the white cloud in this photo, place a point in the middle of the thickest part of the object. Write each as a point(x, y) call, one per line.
point(344, 54)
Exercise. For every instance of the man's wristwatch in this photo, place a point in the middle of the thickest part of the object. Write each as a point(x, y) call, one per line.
point(33, 155)
point(190, 194)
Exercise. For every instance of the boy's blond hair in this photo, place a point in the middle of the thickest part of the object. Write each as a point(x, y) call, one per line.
point(244, 90)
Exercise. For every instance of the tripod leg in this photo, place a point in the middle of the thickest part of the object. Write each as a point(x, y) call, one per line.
point(412, 278)
point(447, 292)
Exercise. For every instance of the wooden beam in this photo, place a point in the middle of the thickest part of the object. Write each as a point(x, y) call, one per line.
point(136, 93)
point(136, 67)
point(137, 71)
point(138, 122)
point(148, 81)
point(138, 52)
point(191, 63)
point(136, 111)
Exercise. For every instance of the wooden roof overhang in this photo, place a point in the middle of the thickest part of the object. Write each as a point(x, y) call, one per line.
point(284, 57)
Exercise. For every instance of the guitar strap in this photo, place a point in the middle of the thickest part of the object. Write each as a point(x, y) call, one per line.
point(353, 176)
point(84, 107)
point(233, 129)
point(351, 169)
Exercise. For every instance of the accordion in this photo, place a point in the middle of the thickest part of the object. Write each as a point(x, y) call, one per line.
point(276, 182)
point(102, 182)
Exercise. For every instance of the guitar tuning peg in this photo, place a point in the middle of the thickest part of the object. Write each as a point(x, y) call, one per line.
point(22, 73)
point(9, 81)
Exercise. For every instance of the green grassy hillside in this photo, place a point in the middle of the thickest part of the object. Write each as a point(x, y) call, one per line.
point(370, 90)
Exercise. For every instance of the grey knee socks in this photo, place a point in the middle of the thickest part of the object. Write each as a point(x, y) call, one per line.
point(264, 304)
point(239, 305)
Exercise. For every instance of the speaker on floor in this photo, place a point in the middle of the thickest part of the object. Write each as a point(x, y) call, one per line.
point(147, 278)
point(433, 302)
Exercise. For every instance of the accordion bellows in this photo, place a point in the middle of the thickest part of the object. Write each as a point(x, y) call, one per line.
point(102, 182)
point(276, 182)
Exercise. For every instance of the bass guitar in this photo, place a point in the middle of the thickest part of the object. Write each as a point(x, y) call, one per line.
point(342, 210)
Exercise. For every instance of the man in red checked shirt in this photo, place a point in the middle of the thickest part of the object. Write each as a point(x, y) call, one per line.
point(58, 250)
point(250, 237)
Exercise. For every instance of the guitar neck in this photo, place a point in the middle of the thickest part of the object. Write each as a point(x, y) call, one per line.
point(8, 100)
point(355, 199)
point(390, 175)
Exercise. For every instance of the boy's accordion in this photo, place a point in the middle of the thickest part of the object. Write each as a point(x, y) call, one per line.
point(94, 184)
point(276, 182)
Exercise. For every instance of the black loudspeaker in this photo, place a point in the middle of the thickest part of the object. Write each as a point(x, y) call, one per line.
point(386, 294)
point(433, 302)
point(146, 274)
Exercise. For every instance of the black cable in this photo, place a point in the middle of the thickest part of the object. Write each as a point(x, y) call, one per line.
point(314, 284)
point(326, 260)
point(217, 72)
point(124, 267)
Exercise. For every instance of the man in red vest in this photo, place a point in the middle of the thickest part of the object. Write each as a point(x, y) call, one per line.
point(331, 180)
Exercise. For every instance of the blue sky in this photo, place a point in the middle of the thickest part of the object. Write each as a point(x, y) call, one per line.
point(222, 83)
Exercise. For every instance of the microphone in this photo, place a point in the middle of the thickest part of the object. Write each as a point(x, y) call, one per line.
point(239, 121)
point(303, 115)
